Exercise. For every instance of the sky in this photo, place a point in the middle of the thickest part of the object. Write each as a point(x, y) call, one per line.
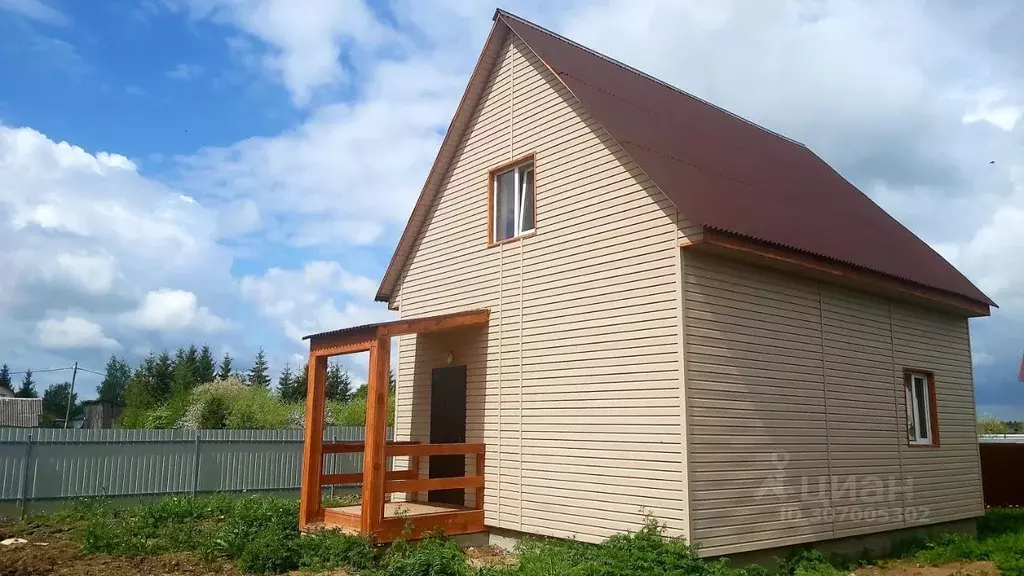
point(238, 172)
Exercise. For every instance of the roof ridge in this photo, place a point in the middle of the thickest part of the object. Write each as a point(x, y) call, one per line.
point(503, 13)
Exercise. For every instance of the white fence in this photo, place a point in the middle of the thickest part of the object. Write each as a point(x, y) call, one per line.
point(47, 464)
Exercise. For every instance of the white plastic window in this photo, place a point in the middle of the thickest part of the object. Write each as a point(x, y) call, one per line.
point(919, 410)
point(513, 202)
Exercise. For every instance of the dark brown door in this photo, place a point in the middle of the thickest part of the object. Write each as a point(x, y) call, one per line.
point(448, 425)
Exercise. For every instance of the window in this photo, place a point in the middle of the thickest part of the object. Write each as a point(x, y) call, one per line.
point(512, 202)
point(921, 412)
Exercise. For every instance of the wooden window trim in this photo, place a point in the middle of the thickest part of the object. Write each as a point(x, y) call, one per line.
point(531, 158)
point(933, 410)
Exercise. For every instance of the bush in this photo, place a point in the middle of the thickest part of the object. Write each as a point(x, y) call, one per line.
point(433, 556)
point(330, 549)
point(271, 551)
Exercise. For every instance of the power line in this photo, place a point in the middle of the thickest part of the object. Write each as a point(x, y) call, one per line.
point(80, 369)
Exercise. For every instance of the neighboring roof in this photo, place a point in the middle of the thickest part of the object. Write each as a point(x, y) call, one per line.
point(409, 325)
point(5, 391)
point(728, 174)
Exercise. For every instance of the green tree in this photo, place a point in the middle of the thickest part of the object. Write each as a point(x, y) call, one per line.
point(28, 387)
point(297, 391)
point(161, 377)
point(184, 377)
point(115, 381)
point(991, 425)
point(5, 378)
point(206, 367)
point(225, 367)
point(55, 401)
point(259, 376)
point(285, 381)
point(338, 386)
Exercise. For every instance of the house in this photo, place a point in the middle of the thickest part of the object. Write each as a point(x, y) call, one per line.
point(100, 414)
point(617, 298)
point(6, 392)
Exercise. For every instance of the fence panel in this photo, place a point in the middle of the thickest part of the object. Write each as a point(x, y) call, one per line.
point(43, 464)
point(1002, 473)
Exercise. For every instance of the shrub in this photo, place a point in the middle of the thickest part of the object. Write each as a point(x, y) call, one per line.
point(271, 551)
point(433, 556)
point(330, 549)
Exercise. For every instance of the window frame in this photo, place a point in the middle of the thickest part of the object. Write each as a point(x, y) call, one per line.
point(913, 408)
point(492, 175)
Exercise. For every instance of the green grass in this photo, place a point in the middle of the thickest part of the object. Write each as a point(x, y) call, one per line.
point(260, 535)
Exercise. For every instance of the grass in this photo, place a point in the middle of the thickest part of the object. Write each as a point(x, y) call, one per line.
point(259, 535)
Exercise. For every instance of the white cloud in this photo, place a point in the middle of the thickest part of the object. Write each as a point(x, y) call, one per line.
point(166, 309)
point(36, 10)
point(94, 273)
point(73, 332)
point(184, 72)
point(989, 107)
point(306, 300)
point(304, 41)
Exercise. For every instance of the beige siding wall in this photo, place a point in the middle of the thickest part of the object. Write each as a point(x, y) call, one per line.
point(575, 385)
point(796, 410)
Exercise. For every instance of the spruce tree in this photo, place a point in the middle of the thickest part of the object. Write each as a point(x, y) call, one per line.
point(338, 385)
point(206, 366)
point(285, 381)
point(115, 381)
point(259, 376)
point(28, 387)
point(161, 377)
point(5, 378)
point(225, 370)
point(297, 393)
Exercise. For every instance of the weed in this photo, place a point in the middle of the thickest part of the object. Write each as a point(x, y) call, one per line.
point(329, 549)
point(433, 556)
point(271, 551)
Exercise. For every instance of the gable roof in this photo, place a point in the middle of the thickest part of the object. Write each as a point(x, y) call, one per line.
point(728, 174)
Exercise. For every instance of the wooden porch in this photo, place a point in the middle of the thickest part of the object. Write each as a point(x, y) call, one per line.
point(376, 516)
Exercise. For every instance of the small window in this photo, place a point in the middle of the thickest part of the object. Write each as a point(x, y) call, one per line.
point(921, 413)
point(512, 203)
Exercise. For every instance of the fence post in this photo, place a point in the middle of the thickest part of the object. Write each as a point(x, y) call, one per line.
point(23, 497)
point(195, 465)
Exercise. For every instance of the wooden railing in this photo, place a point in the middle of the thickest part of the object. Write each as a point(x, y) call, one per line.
point(409, 480)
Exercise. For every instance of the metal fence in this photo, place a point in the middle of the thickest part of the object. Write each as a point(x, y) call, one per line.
point(46, 464)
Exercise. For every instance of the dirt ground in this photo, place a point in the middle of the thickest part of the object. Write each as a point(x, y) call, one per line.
point(51, 552)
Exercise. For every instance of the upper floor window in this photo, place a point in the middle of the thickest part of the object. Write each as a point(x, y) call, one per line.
point(921, 412)
point(512, 201)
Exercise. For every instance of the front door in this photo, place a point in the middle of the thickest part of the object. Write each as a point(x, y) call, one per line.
point(448, 425)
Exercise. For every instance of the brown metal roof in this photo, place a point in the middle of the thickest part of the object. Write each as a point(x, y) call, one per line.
point(410, 325)
point(726, 173)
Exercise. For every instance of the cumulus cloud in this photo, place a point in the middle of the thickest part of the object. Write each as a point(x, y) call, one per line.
point(313, 298)
point(73, 332)
point(35, 10)
point(166, 309)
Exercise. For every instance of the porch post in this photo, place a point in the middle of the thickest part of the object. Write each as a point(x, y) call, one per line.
point(312, 448)
point(376, 435)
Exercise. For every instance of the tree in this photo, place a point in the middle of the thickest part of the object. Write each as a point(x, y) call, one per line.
point(161, 377)
point(184, 376)
point(338, 385)
point(28, 387)
point(5, 378)
point(55, 401)
point(258, 374)
point(285, 382)
point(297, 391)
point(115, 381)
point(225, 368)
point(206, 365)
point(991, 425)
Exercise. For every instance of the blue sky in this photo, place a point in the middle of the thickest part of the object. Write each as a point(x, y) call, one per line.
point(237, 172)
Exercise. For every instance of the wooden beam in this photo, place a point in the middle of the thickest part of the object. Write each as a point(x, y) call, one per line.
point(456, 522)
point(376, 435)
point(434, 323)
point(357, 446)
point(334, 517)
point(312, 456)
point(335, 346)
point(357, 477)
point(480, 473)
point(434, 449)
point(428, 484)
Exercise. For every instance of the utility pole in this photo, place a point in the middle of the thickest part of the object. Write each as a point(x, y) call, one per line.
point(71, 394)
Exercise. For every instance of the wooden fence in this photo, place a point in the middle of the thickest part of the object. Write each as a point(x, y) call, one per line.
point(1002, 473)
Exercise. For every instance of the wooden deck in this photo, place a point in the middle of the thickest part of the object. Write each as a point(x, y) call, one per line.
point(410, 520)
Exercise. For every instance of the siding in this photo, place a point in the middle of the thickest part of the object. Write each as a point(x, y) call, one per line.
point(575, 385)
point(796, 414)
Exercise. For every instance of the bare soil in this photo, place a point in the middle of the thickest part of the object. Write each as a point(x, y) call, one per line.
point(908, 568)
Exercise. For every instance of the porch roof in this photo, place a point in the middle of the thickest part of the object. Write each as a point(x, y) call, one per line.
point(405, 326)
